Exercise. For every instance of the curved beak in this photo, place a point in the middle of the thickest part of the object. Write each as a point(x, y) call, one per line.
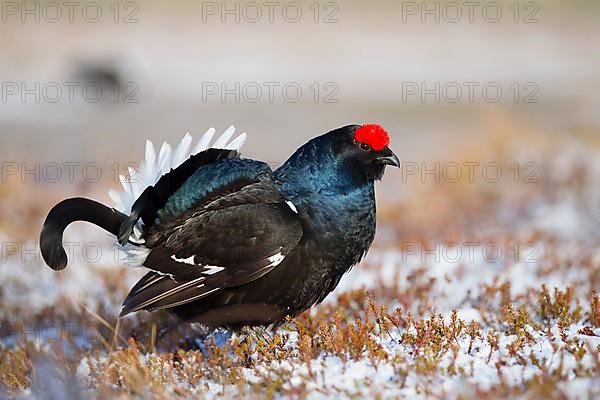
point(387, 157)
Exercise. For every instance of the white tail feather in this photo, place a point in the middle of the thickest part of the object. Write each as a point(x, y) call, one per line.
point(204, 141)
point(237, 143)
point(182, 151)
point(153, 167)
point(221, 142)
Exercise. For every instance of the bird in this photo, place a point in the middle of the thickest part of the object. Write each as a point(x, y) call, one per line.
point(229, 242)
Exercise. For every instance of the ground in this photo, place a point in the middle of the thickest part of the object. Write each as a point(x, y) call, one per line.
point(473, 288)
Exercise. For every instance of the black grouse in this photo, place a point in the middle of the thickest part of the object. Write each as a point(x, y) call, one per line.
point(229, 242)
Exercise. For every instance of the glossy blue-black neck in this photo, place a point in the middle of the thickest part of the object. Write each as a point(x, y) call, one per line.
point(336, 199)
point(316, 168)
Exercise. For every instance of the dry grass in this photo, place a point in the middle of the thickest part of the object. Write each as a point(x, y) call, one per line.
point(356, 330)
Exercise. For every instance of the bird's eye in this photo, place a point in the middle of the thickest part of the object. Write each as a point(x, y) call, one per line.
point(365, 147)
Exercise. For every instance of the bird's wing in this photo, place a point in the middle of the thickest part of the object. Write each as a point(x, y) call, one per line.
point(154, 197)
point(230, 241)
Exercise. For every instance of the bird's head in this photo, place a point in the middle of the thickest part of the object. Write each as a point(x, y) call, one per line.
point(353, 155)
point(363, 150)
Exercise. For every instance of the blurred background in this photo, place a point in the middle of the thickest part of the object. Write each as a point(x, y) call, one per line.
point(289, 71)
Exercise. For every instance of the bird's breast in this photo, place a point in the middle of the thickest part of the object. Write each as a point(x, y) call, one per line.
point(341, 228)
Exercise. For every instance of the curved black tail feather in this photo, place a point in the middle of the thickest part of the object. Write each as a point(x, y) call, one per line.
point(71, 210)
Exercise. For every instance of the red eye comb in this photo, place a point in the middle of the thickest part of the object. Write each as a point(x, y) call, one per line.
point(372, 134)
